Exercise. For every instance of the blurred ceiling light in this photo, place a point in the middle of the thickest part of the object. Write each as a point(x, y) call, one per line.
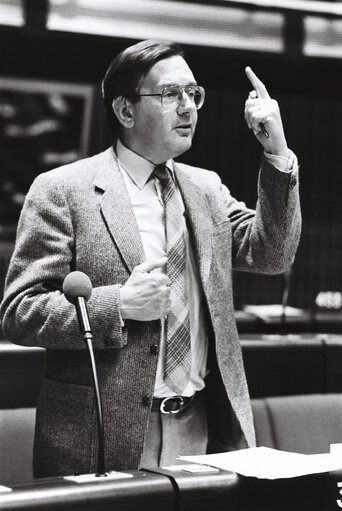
point(11, 13)
point(323, 37)
point(330, 7)
point(240, 24)
point(185, 22)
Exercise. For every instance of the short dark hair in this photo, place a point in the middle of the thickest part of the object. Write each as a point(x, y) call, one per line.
point(128, 68)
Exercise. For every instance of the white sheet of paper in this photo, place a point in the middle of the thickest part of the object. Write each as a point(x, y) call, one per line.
point(5, 489)
point(267, 463)
point(91, 478)
point(274, 310)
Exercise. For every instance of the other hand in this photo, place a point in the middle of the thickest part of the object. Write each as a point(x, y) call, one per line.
point(146, 295)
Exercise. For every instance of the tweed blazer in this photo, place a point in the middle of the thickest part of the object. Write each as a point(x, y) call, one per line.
point(79, 217)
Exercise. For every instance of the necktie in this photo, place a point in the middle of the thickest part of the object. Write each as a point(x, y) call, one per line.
point(178, 349)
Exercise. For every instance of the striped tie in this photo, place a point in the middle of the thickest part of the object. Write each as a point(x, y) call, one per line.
point(178, 349)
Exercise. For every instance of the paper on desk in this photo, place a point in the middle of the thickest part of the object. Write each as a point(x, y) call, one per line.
point(267, 463)
point(274, 310)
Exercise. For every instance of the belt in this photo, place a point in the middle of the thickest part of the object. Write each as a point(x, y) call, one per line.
point(168, 405)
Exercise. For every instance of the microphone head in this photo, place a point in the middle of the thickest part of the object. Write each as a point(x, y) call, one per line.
point(77, 284)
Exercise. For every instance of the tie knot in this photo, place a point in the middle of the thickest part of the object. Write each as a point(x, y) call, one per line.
point(162, 172)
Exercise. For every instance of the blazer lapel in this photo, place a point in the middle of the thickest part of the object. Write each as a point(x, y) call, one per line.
point(118, 213)
point(198, 217)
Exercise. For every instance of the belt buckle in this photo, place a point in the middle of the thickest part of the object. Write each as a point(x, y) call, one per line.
point(165, 400)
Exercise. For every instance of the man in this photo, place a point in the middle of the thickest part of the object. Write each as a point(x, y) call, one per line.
point(158, 240)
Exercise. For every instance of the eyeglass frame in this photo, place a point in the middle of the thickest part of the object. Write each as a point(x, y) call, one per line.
point(179, 99)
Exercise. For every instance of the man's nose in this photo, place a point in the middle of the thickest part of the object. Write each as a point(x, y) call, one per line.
point(186, 104)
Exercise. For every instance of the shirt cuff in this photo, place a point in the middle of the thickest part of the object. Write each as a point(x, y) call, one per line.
point(281, 163)
point(122, 322)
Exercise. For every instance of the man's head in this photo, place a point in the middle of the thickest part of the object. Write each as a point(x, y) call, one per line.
point(156, 126)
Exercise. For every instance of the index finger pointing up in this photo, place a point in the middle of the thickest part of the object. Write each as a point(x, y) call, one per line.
point(257, 84)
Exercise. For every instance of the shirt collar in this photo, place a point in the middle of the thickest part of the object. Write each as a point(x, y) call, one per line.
point(138, 169)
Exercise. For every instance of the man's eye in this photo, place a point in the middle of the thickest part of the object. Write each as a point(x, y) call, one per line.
point(170, 94)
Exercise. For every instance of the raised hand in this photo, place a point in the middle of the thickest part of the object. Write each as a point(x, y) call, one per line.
point(262, 115)
point(146, 294)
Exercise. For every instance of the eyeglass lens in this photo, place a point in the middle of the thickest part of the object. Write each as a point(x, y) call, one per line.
point(174, 93)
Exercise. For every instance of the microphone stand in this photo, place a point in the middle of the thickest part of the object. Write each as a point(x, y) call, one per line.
point(82, 314)
point(287, 277)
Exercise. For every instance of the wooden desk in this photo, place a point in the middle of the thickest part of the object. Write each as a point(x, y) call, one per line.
point(176, 490)
point(139, 490)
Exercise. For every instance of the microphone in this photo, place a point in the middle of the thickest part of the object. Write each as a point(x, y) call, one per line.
point(77, 290)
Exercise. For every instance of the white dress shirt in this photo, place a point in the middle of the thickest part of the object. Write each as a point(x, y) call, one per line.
point(146, 198)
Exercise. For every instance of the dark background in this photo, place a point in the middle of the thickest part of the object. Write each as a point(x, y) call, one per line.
point(309, 93)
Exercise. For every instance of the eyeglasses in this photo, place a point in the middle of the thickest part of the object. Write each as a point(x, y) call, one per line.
point(174, 94)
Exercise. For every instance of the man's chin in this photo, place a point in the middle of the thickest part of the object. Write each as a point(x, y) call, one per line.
point(182, 146)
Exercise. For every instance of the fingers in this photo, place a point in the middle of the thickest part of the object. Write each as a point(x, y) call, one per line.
point(262, 115)
point(156, 280)
point(255, 116)
point(152, 264)
point(257, 105)
point(258, 86)
point(146, 295)
point(164, 279)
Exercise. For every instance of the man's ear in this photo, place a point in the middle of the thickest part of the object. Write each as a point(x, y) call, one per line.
point(122, 108)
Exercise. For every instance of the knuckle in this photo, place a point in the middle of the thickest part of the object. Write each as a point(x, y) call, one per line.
point(153, 284)
point(274, 104)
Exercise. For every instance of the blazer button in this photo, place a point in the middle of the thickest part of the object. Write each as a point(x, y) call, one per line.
point(154, 349)
point(109, 342)
point(146, 400)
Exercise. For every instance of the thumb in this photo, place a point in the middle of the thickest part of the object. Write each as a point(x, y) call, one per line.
point(152, 264)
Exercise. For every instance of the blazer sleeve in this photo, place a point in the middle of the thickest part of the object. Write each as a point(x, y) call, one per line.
point(34, 310)
point(265, 240)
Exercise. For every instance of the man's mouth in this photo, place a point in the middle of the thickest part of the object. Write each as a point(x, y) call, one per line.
point(185, 126)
